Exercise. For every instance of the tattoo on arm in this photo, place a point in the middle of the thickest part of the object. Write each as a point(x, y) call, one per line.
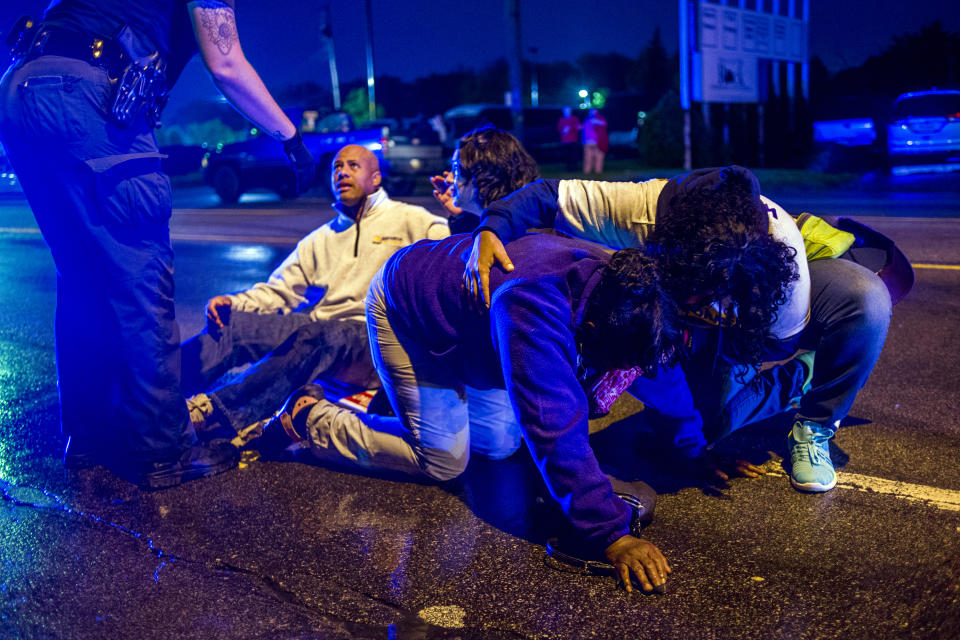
point(218, 22)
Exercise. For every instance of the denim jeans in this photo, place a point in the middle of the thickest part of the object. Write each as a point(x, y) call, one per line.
point(285, 352)
point(439, 419)
point(850, 316)
point(103, 206)
point(704, 401)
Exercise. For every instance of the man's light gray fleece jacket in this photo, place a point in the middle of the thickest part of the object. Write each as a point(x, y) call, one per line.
point(328, 273)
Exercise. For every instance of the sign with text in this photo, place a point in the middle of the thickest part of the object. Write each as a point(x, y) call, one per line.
point(730, 43)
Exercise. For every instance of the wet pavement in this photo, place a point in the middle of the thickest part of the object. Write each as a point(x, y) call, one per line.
point(283, 550)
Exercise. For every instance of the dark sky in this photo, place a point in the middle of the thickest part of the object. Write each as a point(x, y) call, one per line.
point(417, 37)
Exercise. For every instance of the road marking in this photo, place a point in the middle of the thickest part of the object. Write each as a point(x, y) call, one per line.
point(449, 616)
point(19, 230)
point(190, 237)
point(200, 237)
point(945, 499)
point(947, 267)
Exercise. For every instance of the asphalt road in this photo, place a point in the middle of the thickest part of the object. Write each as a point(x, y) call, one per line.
point(298, 550)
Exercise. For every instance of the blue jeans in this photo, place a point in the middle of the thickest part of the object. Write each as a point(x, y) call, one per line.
point(103, 206)
point(705, 400)
point(850, 316)
point(285, 352)
point(440, 420)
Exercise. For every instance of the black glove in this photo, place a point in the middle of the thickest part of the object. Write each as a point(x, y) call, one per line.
point(301, 160)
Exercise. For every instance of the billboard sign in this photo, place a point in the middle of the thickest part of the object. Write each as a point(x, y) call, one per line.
point(730, 43)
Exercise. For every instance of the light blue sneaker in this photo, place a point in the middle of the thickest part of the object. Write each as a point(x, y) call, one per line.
point(811, 468)
point(806, 359)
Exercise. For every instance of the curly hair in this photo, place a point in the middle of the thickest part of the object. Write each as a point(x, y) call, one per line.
point(496, 162)
point(630, 319)
point(714, 247)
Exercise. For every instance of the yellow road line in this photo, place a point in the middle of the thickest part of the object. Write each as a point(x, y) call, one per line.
point(946, 267)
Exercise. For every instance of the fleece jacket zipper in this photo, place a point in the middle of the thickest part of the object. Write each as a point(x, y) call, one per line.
point(356, 242)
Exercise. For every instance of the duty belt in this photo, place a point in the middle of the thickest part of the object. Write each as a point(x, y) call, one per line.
point(100, 52)
point(139, 86)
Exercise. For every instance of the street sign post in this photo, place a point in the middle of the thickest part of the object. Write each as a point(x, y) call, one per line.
point(723, 49)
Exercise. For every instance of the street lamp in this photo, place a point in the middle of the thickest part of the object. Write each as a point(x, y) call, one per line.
point(371, 96)
point(584, 94)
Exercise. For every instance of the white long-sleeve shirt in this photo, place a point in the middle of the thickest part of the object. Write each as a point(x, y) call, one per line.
point(623, 214)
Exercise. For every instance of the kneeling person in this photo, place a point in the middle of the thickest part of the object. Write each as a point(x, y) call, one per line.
point(568, 311)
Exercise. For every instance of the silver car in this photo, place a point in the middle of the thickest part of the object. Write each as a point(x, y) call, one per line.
point(925, 127)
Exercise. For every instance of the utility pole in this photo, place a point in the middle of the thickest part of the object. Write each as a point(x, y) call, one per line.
point(326, 33)
point(514, 55)
point(371, 96)
point(534, 84)
point(685, 82)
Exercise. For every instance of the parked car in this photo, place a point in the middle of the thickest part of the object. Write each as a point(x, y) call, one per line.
point(260, 162)
point(925, 127)
point(850, 132)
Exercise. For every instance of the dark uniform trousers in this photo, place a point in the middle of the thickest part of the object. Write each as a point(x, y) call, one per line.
point(103, 206)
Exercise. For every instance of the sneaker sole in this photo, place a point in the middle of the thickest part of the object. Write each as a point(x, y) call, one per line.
point(172, 480)
point(813, 487)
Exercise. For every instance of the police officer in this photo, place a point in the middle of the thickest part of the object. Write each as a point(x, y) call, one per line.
point(77, 110)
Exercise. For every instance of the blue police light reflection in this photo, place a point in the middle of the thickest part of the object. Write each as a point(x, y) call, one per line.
point(248, 253)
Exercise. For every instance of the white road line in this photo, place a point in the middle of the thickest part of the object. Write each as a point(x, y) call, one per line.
point(191, 237)
point(202, 237)
point(19, 230)
point(293, 239)
point(945, 499)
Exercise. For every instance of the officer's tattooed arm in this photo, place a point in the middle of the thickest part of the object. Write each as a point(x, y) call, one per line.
point(215, 27)
point(217, 20)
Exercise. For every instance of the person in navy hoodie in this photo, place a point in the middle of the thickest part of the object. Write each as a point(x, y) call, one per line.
point(569, 312)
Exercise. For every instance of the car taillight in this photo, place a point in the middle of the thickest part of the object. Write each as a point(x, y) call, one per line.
point(953, 116)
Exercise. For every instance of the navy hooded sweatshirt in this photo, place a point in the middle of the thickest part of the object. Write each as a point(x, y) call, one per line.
point(525, 344)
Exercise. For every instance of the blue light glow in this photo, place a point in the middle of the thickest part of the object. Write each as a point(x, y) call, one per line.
point(248, 253)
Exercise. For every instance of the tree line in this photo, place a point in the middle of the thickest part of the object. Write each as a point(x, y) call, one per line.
point(914, 61)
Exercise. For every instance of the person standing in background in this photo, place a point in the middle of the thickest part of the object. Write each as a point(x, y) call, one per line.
point(569, 128)
point(595, 142)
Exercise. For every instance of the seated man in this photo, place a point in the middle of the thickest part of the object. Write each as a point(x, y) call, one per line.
point(307, 319)
point(489, 164)
point(716, 263)
point(568, 311)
